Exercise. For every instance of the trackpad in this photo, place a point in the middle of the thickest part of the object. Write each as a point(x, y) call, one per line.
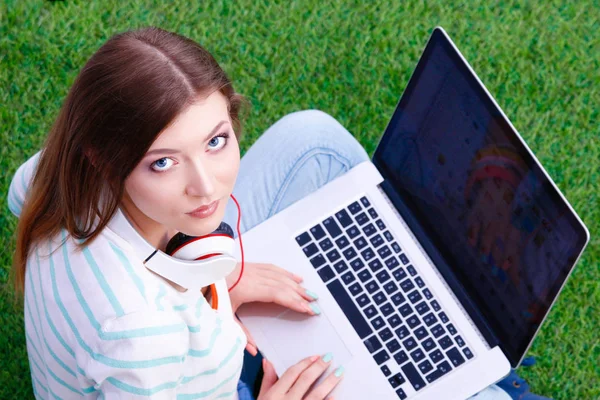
point(295, 336)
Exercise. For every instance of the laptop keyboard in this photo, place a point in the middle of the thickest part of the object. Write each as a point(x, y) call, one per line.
point(383, 296)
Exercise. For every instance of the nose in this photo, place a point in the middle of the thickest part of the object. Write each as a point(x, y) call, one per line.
point(201, 181)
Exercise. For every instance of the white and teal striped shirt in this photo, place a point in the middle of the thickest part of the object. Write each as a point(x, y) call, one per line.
point(98, 324)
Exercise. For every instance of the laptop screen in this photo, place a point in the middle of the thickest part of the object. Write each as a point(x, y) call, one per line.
point(476, 191)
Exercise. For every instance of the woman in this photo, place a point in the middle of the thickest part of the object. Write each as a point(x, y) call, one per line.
point(149, 134)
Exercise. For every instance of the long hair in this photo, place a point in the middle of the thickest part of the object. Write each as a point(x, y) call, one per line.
point(129, 91)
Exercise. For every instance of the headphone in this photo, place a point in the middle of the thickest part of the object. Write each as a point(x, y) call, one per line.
point(195, 262)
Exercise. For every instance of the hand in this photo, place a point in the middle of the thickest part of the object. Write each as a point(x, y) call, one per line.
point(490, 229)
point(296, 382)
point(268, 283)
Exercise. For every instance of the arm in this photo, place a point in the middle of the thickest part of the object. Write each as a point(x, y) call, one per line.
point(20, 184)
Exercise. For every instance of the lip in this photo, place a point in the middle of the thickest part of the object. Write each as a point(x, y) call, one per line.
point(204, 211)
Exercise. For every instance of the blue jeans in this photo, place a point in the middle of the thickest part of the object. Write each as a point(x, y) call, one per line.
point(297, 155)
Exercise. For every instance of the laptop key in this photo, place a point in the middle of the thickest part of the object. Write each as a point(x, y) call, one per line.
point(409, 343)
point(402, 332)
point(398, 298)
point(333, 255)
point(405, 310)
point(317, 232)
point(411, 270)
point(436, 305)
point(388, 236)
point(428, 344)
point(370, 311)
point(413, 321)
point(343, 217)
point(422, 307)
point(386, 309)
point(390, 287)
point(375, 265)
point(376, 240)
point(354, 208)
point(394, 320)
point(381, 357)
point(414, 296)
point(386, 370)
point(367, 254)
point(403, 258)
point(365, 201)
point(391, 263)
point(310, 250)
point(377, 323)
point(371, 286)
point(364, 275)
point(332, 227)
point(342, 242)
point(380, 224)
point(362, 218)
point(419, 282)
point(396, 247)
point(345, 302)
point(425, 367)
point(373, 213)
point(349, 253)
point(325, 244)
point(393, 346)
point(317, 261)
point(443, 317)
point(352, 232)
point(355, 289)
point(357, 264)
point(302, 239)
point(326, 273)
point(407, 285)
point(455, 357)
point(373, 344)
point(340, 266)
point(445, 342)
point(396, 380)
point(360, 243)
point(436, 356)
point(435, 375)
point(385, 334)
point(459, 340)
point(401, 357)
point(348, 278)
point(427, 294)
point(421, 332)
point(430, 319)
point(384, 251)
point(363, 300)
point(437, 331)
point(467, 353)
point(451, 329)
point(369, 229)
point(379, 298)
point(413, 376)
point(383, 276)
point(417, 355)
point(444, 367)
point(399, 274)
point(401, 394)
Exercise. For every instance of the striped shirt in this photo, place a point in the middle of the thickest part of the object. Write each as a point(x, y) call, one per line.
point(99, 325)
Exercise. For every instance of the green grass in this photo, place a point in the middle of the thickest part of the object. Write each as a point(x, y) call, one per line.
point(540, 61)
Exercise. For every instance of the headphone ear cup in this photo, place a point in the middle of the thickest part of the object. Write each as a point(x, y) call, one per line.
point(197, 247)
point(177, 241)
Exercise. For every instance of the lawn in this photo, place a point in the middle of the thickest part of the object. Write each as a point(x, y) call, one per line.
point(351, 59)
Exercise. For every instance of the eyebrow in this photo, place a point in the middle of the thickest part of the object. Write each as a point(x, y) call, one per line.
point(173, 151)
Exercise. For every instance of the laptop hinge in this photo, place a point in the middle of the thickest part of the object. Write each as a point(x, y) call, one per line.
point(442, 269)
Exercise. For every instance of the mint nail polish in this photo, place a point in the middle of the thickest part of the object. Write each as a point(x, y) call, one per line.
point(327, 357)
point(339, 371)
point(312, 294)
point(315, 308)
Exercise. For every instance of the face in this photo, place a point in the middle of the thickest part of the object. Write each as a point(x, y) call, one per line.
point(192, 163)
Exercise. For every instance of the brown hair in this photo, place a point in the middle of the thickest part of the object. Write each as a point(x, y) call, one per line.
point(129, 91)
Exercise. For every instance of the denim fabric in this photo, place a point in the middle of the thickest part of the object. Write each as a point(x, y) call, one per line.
point(297, 155)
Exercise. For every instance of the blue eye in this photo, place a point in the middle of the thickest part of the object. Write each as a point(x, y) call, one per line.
point(161, 164)
point(215, 141)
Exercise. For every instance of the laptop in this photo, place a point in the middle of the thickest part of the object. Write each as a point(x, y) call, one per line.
point(436, 262)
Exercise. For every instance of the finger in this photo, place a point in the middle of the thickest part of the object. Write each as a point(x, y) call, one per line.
point(290, 376)
point(269, 377)
point(250, 343)
point(280, 278)
point(309, 376)
point(324, 388)
point(288, 298)
point(283, 271)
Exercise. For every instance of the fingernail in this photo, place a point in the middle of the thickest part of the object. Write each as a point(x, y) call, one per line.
point(315, 308)
point(312, 294)
point(339, 371)
point(328, 357)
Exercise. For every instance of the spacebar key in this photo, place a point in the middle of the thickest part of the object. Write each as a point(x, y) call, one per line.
point(347, 305)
